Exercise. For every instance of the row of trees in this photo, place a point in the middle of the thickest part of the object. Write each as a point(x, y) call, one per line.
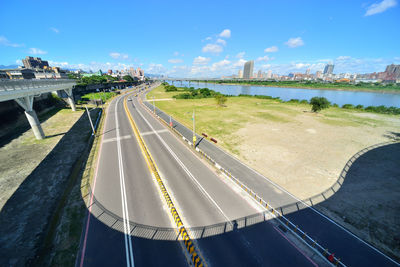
point(317, 103)
point(97, 79)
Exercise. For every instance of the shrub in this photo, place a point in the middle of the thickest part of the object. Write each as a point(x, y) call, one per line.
point(304, 101)
point(359, 107)
point(221, 100)
point(348, 106)
point(293, 101)
point(319, 103)
point(170, 88)
point(335, 105)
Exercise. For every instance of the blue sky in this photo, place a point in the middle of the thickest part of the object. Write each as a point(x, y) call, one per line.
point(203, 38)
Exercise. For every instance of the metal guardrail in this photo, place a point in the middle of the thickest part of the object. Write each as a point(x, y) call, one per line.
point(14, 85)
point(294, 229)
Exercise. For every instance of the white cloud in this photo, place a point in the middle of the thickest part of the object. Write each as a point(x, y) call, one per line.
point(264, 58)
point(4, 41)
point(201, 60)
point(55, 30)
point(92, 66)
point(225, 33)
point(240, 54)
point(156, 68)
point(239, 63)
point(117, 55)
point(380, 7)
point(58, 64)
point(208, 38)
point(271, 49)
point(266, 66)
point(18, 61)
point(36, 51)
point(221, 41)
point(175, 60)
point(212, 48)
point(294, 42)
point(343, 58)
point(176, 54)
point(218, 65)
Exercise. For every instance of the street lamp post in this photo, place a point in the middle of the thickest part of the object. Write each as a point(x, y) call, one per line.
point(194, 130)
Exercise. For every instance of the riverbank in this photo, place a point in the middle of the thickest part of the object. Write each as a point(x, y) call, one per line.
point(302, 86)
point(304, 152)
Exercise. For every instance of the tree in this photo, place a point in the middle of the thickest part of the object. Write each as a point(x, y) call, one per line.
point(221, 100)
point(319, 103)
point(128, 78)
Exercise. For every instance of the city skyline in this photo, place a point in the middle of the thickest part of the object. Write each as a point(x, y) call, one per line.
point(279, 37)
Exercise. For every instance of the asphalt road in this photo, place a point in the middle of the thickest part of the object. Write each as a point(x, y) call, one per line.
point(349, 248)
point(129, 223)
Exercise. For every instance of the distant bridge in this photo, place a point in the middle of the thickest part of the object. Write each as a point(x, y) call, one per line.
point(24, 91)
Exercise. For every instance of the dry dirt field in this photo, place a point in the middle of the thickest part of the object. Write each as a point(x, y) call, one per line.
point(305, 153)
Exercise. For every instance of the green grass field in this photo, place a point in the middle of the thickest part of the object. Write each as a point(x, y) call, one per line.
point(100, 95)
point(222, 122)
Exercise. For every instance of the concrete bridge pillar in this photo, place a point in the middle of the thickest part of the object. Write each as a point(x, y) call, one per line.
point(70, 98)
point(27, 104)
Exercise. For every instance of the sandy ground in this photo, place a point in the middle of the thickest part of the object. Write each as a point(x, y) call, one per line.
point(306, 156)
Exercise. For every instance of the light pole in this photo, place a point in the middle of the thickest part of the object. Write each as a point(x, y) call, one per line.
point(90, 119)
point(154, 106)
point(194, 130)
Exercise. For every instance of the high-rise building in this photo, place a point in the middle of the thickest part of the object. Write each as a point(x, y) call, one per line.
point(308, 71)
point(248, 69)
point(140, 71)
point(318, 74)
point(109, 72)
point(34, 62)
point(240, 74)
point(329, 69)
point(259, 74)
point(269, 74)
point(393, 70)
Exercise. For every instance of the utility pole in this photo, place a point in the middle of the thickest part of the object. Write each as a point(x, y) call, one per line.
point(90, 119)
point(194, 130)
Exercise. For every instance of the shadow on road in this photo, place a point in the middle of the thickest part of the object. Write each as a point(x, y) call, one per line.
point(375, 166)
point(24, 217)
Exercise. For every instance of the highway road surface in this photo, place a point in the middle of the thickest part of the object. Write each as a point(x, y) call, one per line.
point(352, 250)
point(130, 224)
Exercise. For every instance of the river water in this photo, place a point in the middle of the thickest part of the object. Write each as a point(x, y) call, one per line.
point(338, 97)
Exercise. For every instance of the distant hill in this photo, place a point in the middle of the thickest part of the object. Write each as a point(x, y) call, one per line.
point(8, 67)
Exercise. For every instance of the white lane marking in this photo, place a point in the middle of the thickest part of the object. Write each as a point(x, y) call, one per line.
point(125, 214)
point(311, 207)
point(115, 138)
point(184, 168)
point(153, 132)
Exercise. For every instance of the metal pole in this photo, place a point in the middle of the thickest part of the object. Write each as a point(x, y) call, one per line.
point(170, 121)
point(194, 130)
point(90, 119)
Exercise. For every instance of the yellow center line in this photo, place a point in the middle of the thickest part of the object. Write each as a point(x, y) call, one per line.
point(194, 256)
